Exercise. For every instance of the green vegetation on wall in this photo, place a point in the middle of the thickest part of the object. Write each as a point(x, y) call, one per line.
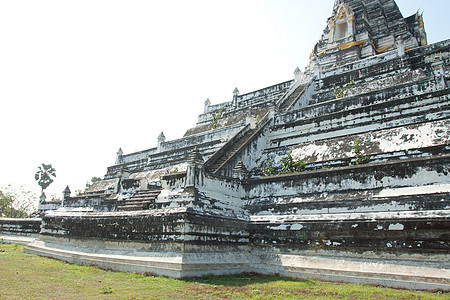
point(288, 165)
point(342, 92)
point(215, 118)
point(360, 157)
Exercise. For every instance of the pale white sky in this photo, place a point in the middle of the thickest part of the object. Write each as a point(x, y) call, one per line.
point(79, 79)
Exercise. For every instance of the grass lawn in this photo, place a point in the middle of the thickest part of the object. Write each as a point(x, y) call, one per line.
point(25, 276)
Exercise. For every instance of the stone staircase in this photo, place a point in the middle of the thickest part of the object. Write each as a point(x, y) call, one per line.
point(289, 100)
point(215, 167)
point(234, 147)
point(139, 201)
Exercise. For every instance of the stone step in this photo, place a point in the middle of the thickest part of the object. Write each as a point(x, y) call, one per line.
point(230, 152)
point(293, 96)
point(390, 200)
point(238, 145)
point(136, 202)
point(145, 195)
point(139, 201)
point(392, 114)
point(370, 271)
point(381, 157)
point(403, 95)
point(343, 266)
point(131, 207)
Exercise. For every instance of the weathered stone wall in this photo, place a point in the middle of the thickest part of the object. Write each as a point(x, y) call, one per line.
point(397, 205)
point(205, 193)
point(140, 155)
point(221, 134)
point(362, 178)
point(361, 114)
point(264, 95)
point(221, 195)
point(253, 101)
point(393, 143)
point(175, 152)
point(178, 225)
point(20, 226)
point(388, 232)
point(95, 202)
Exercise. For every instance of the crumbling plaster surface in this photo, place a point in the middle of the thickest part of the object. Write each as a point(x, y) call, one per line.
point(389, 216)
point(102, 185)
point(154, 176)
point(222, 196)
point(20, 226)
point(374, 85)
point(357, 123)
point(408, 173)
point(374, 142)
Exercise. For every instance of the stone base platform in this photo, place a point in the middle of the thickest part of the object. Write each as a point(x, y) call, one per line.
point(18, 239)
point(418, 272)
point(171, 259)
point(380, 272)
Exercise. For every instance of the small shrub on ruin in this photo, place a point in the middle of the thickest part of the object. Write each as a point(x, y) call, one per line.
point(215, 118)
point(174, 170)
point(360, 157)
point(342, 92)
point(268, 169)
point(290, 165)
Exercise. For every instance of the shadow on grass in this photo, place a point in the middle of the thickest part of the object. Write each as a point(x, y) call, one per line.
point(245, 279)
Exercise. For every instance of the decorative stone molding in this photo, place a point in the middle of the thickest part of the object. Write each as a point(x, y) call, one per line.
point(235, 97)
point(42, 198)
point(161, 139)
point(298, 76)
point(401, 50)
point(207, 104)
point(240, 171)
point(119, 158)
point(194, 168)
point(66, 193)
point(341, 24)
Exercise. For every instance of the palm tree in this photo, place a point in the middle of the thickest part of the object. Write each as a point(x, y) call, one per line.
point(44, 176)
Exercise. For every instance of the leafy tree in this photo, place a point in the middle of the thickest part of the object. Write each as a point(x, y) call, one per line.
point(44, 176)
point(16, 203)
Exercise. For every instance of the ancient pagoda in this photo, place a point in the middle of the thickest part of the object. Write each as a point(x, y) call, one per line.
point(341, 173)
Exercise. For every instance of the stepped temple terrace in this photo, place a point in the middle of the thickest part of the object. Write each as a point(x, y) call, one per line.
point(340, 174)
